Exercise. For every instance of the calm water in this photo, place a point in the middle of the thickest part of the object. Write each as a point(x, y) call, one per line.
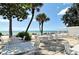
point(15, 32)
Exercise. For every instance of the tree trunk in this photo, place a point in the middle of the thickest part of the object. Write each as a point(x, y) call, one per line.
point(30, 20)
point(10, 28)
point(42, 28)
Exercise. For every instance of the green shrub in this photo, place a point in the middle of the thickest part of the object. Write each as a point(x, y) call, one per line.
point(0, 34)
point(22, 34)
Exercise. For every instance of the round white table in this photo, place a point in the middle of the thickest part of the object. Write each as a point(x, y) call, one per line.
point(11, 49)
point(44, 37)
point(76, 49)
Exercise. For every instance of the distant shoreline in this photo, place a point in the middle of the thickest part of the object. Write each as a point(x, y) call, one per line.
point(38, 31)
point(15, 32)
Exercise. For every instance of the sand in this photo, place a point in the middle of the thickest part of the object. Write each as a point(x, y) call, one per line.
point(72, 41)
point(5, 38)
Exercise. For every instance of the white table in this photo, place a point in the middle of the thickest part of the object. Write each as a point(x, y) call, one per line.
point(76, 49)
point(44, 37)
point(12, 49)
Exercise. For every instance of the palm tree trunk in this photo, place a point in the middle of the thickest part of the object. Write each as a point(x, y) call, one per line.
point(33, 10)
point(10, 28)
point(42, 28)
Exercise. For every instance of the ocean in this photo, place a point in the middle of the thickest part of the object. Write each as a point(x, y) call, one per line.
point(38, 32)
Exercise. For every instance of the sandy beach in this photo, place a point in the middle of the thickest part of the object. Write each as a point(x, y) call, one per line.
point(5, 38)
point(72, 41)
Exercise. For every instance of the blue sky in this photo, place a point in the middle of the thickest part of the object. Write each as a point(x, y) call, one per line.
point(53, 10)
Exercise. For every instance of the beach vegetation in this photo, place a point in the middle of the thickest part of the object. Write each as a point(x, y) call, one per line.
point(71, 17)
point(0, 34)
point(41, 18)
point(26, 34)
point(13, 10)
point(33, 7)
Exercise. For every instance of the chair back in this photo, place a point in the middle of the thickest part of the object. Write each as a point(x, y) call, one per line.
point(1, 40)
point(50, 37)
point(24, 37)
point(67, 48)
point(37, 43)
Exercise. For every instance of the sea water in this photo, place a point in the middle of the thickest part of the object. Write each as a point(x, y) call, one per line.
point(38, 32)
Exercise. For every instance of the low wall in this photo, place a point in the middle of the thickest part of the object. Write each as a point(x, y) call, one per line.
point(73, 31)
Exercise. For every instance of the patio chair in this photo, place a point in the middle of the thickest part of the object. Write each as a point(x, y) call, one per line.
point(35, 51)
point(14, 40)
point(68, 50)
point(2, 41)
point(2, 44)
point(51, 37)
point(24, 37)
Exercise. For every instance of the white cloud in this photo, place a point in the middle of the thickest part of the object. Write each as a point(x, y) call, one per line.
point(63, 11)
point(4, 20)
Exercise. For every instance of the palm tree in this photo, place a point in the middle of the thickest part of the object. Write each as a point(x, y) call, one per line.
point(13, 10)
point(41, 18)
point(32, 7)
point(71, 17)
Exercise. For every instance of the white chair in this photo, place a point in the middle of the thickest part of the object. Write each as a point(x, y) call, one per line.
point(14, 40)
point(44, 38)
point(68, 50)
point(2, 42)
point(24, 37)
point(37, 42)
point(50, 37)
point(36, 48)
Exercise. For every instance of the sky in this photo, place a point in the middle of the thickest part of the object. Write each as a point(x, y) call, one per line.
point(53, 10)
